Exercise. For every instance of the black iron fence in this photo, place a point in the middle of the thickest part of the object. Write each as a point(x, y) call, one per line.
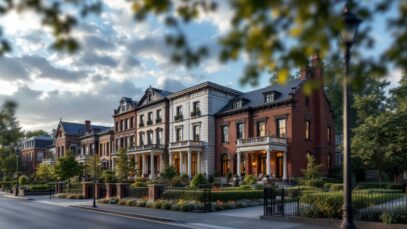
point(368, 204)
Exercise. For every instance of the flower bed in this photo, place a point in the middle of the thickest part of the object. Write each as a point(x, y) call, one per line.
point(182, 205)
point(69, 196)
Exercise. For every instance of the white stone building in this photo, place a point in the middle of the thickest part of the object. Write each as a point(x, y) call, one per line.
point(191, 130)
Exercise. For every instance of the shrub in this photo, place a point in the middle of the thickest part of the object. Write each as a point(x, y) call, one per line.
point(326, 205)
point(228, 176)
point(336, 187)
point(314, 183)
point(227, 195)
point(113, 201)
point(245, 187)
point(138, 184)
point(377, 190)
point(141, 203)
point(158, 204)
point(166, 205)
point(331, 180)
point(395, 186)
point(327, 186)
point(249, 180)
point(198, 180)
point(108, 176)
point(23, 180)
point(169, 173)
point(149, 204)
point(210, 179)
point(395, 215)
point(368, 185)
point(180, 181)
point(131, 202)
point(122, 201)
point(258, 186)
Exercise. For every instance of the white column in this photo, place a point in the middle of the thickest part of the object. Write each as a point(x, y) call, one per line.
point(136, 164)
point(113, 165)
point(189, 162)
point(144, 165)
point(181, 162)
point(238, 164)
point(268, 169)
point(152, 166)
point(285, 165)
point(198, 162)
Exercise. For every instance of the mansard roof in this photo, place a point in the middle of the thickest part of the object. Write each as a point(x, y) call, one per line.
point(130, 105)
point(205, 85)
point(255, 99)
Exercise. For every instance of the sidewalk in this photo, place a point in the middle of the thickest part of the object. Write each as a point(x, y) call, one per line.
point(236, 218)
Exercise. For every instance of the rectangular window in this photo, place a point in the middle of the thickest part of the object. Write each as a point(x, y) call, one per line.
point(117, 126)
point(126, 124)
point(179, 110)
point(269, 97)
point(261, 129)
point(240, 131)
point(131, 123)
point(328, 133)
point(178, 134)
point(159, 136)
point(121, 125)
point(196, 132)
point(158, 118)
point(281, 128)
point(225, 134)
point(141, 124)
point(237, 104)
point(307, 130)
point(150, 138)
point(141, 140)
point(150, 118)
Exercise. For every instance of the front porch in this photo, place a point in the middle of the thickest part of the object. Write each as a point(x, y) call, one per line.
point(186, 157)
point(261, 156)
point(149, 160)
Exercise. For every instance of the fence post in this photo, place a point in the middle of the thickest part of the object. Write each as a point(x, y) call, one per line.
point(282, 201)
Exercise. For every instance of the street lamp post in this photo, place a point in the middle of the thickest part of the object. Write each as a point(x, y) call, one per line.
point(94, 176)
point(347, 37)
point(17, 155)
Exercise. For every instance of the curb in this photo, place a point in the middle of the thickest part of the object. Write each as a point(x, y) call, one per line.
point(17, 197)
point(154, 218)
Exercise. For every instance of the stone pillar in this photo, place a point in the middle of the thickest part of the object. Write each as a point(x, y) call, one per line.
point(121, 190)
point(109, 190)
point(152, 175)
point(189, 162)
point(238, 164)
point(87, 190)
point(161, 163)
point(170, 158)
point(268, 169)
point(285, 165)
point(198, 162)
point(113, 165)
point(155, 191)
point(59, 187)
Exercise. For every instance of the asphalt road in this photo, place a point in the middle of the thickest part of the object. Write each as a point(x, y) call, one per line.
point(23, 214)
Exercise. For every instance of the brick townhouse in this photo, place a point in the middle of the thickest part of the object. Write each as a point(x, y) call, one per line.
point(270, 131)
point(33, 151)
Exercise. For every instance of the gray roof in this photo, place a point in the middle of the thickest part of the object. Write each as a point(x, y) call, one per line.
point(40, 141)
point(79, 128)
point(204, 85)
point(254, 99)
point(111, 129)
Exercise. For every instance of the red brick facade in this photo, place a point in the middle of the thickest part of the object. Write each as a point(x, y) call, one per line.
point(297, 109)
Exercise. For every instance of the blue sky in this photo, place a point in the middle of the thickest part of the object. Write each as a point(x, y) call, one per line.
point(119, 57)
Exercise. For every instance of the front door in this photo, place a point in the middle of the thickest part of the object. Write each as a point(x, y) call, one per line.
point(262, 164)
point(279, 167)
point(177, 163)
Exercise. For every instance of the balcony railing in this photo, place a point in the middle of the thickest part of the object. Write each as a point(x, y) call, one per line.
point(158, 120)
point(149, 122)
point(261, 141)
point(83, 157)
point(188, 143)
point(141, 124)
point(148, 147)
point(48, 160)
point(196, 113)
point(178, 117)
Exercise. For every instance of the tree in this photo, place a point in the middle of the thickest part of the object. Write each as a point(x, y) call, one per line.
point(132, 166)
point(122, 165)
point(45, 172)
point(169, 173)
point(259, 29)
point(313, 170)
point(67, 167)
point(94, 166)
point(34, 133)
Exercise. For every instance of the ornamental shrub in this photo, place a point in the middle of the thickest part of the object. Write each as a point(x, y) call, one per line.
point(108, 176)
point(395, 215)
point(138, 184)
point(249, 180)
point(23, 180)
point(336, 187)
point(198, 180)
point(395, 186)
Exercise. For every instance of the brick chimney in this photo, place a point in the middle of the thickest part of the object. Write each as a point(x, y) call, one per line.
point(87, 124)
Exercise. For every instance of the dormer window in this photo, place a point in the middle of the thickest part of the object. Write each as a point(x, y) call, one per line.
point(237, 104)
point(123, 107)
point(150, 97)
point(269, 97)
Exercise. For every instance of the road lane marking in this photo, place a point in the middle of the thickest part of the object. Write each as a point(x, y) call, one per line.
point(209, 226)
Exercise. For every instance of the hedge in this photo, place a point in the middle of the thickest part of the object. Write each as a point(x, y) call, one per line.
point(329, 205)
point(198, 195)
point(138, 192)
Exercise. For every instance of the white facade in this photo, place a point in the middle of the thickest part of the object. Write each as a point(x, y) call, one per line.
point(192, 136)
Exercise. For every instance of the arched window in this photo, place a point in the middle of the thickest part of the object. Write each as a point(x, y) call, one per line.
point(225, 168)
